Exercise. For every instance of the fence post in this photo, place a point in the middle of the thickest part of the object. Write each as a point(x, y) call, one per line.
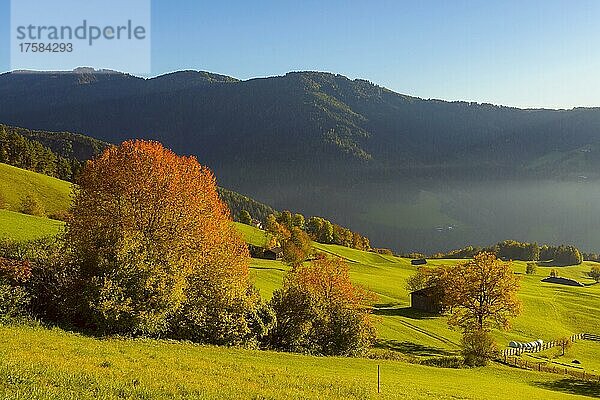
point(378, 380)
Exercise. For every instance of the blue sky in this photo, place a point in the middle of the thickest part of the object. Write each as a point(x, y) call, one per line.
point(520, 53)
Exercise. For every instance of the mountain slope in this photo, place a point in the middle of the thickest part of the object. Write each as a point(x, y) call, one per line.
point(297, 119)
point(320, 143)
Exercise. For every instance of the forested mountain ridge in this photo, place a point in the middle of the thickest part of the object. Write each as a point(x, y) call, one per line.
point(299, 118)
point(411, 173)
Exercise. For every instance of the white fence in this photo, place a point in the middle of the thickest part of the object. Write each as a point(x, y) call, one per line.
point(516, 351)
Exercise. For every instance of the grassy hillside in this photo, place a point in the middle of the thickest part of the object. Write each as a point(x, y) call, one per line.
point(251, 234)
point(20, 227)
point(37, 363)
point(15, 183)
point(550, 311)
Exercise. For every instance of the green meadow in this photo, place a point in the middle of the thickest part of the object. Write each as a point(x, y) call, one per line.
point(21, 227)
point(39, 363)
point(72, 366)
point(16, 183)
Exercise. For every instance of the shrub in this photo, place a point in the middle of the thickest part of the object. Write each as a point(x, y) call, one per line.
point(444, 362)
point(51, 284)
point(531, 268)
point(59, 216)
point(31, 205)
point(595, 273)
point(319, 311)
point(14, 299)
point(478, 348)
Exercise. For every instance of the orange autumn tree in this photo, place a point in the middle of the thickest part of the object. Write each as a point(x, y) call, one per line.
point(155, 249)
point(320, 311)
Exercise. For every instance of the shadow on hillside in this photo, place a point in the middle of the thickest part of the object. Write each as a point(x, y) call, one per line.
point(411, 348)
point(572, 386)
point(267, 268)
point(406, 312)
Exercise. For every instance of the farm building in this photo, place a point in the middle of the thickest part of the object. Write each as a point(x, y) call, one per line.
point(418, 261)
point(275, 253)
point(428, 300)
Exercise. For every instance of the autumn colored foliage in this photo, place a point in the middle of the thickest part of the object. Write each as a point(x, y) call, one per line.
point(319, 311)
point(155, 247)
point(482, 293)
point(14, 299)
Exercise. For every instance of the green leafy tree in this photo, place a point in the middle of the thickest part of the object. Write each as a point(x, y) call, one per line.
point(531, 268)
point(298, 221)
point(245, 217)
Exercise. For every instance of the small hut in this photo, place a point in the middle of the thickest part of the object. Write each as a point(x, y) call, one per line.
point(276, 253)
point(428, 300)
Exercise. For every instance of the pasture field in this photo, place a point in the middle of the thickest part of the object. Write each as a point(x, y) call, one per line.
point(111, 367)
point(15, 183)
point(549, 311)
point(251, 235)
point(22, 227)
point(40, 363)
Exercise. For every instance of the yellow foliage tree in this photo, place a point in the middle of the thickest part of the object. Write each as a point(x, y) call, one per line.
point(482, 293)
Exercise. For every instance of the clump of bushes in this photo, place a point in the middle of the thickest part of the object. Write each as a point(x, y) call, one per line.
point(31, 205)
point(531, 268)
point(164, 260)
point(595, 273)
point(478, 347)
point(319, 311)
point(14, 298)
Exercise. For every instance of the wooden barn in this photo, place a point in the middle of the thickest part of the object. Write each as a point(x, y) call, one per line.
point(427, 300)
point(276, 253)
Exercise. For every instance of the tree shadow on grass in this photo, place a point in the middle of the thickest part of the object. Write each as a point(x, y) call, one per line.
point(406, 312)
point(411, 348)
point(572, 386)
point(267, 268)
